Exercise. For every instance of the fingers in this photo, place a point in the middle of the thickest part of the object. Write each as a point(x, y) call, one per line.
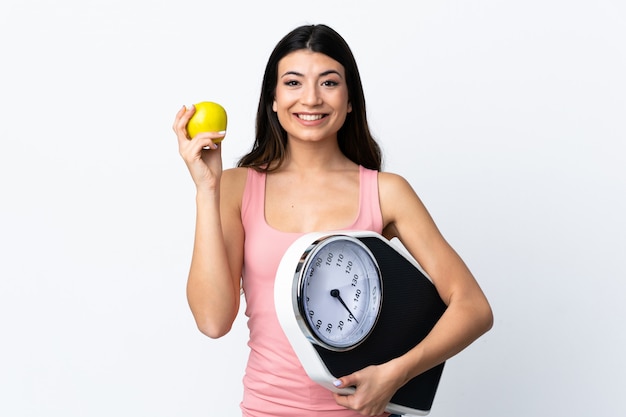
point(206, 140)
point(346, 381)
point(370, 396)
point(180, 122)
point(197, 150)
point(343, 399)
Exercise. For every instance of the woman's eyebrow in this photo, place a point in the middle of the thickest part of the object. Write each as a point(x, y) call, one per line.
point(296, 73)
point(323, 74)
point(330, 71)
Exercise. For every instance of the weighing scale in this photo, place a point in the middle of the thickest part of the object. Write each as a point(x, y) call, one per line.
point(350, 299)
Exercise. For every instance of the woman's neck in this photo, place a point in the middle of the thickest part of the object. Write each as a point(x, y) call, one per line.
point(315, 157)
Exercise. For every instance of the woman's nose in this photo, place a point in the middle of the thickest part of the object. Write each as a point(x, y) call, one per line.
point(310, 95)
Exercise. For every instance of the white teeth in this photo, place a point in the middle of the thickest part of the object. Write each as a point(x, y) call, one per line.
point(310, 117)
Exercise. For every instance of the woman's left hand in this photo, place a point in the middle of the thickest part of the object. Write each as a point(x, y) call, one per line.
point(375, 385)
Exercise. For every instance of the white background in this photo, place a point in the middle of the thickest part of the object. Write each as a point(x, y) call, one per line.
point(508, 117)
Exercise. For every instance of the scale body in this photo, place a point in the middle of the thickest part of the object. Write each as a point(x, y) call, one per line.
point(409, 307)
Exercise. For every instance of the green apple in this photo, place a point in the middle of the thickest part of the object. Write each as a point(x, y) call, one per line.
point(209, 117)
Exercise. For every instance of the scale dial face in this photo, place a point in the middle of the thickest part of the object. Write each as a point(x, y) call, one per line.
point(339, 292)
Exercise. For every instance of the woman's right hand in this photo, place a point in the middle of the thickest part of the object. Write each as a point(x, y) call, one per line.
point(202, 156)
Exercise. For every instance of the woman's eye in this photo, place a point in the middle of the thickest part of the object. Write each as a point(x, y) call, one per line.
point(291, 83)
point(330, 83)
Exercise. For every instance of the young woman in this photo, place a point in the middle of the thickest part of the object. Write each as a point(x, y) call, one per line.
point(314, 166)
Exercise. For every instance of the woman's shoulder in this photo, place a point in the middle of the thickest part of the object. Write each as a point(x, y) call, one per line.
point(233, 184)
point(397, 197)
point(391, 183)
point(235, 175)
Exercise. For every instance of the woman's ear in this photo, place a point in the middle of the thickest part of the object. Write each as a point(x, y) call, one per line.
point(349, 107)
point(274, 106)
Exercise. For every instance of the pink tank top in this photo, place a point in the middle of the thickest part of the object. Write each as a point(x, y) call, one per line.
point(275, 384)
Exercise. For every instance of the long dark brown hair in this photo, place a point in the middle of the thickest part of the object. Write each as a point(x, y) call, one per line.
point(354, 137)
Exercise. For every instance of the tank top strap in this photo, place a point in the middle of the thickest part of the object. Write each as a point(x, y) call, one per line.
point(370, 215)
point(253, 200)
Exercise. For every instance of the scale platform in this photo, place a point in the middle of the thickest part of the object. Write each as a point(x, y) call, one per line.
point(410, 308)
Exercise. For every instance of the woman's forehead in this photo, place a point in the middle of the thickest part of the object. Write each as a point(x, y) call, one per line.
point(307, 62)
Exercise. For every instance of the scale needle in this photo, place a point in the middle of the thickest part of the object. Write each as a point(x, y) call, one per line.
point(335, 293)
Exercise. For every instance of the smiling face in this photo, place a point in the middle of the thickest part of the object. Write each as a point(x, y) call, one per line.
point(311, 99)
